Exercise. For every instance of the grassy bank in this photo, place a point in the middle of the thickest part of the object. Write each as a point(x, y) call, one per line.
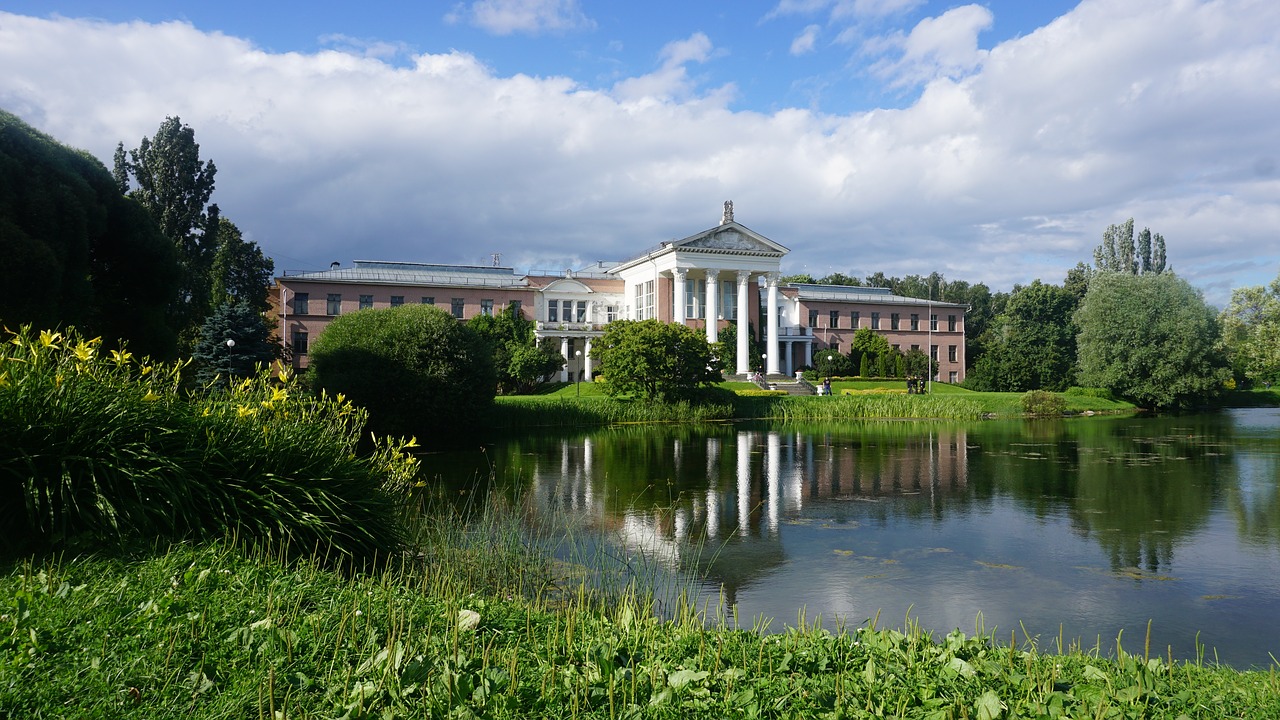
point(566, 405)
point(210, 631)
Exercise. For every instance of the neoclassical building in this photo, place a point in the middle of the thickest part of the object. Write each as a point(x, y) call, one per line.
point(728, 274)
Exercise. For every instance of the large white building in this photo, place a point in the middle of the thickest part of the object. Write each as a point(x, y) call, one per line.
point(725, 274)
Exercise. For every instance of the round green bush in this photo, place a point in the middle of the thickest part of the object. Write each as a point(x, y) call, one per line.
point(1042, 403)
point(415, 368)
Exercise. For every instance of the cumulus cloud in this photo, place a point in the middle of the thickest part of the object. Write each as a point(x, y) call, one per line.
point(531, 17)
point(1007, 167)
point(944, 46)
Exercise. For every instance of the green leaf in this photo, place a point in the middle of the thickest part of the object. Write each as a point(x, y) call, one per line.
point(989, 706)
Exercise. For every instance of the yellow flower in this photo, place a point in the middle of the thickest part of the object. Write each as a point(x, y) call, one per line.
point(49, 339)
point(146, 369)
point(4, 379)
point(83, 351)
point(278, 394)
point(120, 358)
point(206, 412)
point(150, 396)
point(245, 411)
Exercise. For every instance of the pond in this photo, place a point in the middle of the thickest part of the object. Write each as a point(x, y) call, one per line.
point(1082, 529)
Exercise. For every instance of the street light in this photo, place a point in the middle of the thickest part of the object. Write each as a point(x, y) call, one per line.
point(577, 375)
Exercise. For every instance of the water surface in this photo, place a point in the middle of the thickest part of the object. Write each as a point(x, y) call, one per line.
point(1087, 528)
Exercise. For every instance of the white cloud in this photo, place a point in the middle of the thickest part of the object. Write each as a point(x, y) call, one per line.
point(944, 46)
point(1006, 168)
point(532, 17)
point(671, 79)
point(806, 41)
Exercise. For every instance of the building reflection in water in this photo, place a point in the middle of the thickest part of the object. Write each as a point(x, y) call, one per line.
point(734, 490)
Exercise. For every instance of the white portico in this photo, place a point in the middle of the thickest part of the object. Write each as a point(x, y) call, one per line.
point(708, 280)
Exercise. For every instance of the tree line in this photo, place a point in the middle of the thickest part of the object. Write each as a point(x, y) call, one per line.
point(137, 254)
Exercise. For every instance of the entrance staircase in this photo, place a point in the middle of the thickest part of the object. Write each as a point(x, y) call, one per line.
point(788, 383)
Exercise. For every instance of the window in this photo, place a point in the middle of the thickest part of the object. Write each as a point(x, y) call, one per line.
point(333, 304)
point(854, 317)
point(299, 342)
point(581, 315)
point(397, 300)
point(456, 304)
point(553, 311)
point(951, 323)
point(428, 300)
point(486, 306)
point(834, 318)
point(301, 301)
point(836, 346)
point(695, 292)
point(895, 321)
point(566, 311)
point(729, 300)
point(611, 313)
point(366, 302)
point(875, 321)
point(813, 318)
point(951, 353)
point(933, 352)
point(515, 306)
point(644, 300)
point(933, 322)
point(897, 347)
point(915, 321)
point(951, 377)
point(915, 347)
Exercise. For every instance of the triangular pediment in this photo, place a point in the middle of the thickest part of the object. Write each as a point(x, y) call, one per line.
point(732, 238)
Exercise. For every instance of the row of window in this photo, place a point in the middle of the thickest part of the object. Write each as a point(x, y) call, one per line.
point(895, 320)
point(953, 352)
point(333, 304)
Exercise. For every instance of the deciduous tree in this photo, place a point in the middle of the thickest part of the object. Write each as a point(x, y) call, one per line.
point(1149, 338)
point(174, 185)
point(655, 360)
point(1251, 332)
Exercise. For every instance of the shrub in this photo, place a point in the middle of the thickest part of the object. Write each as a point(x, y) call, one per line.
point(1043, 403)
point(415, 368)
point(100, 448)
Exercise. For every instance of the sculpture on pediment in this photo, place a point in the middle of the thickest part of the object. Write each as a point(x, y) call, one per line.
point(728, 212)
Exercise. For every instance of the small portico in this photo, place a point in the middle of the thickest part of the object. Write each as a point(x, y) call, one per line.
point(709, 277)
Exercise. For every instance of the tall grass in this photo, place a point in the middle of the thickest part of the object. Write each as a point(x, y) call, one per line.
point(516, 413)
point(849, 407)
point(208, 632)
point(105, 448)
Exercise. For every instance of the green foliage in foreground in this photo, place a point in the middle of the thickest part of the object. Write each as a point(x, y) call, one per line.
point(102, 449)
point(205, 632)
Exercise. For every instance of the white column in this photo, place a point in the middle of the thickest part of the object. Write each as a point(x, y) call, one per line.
point(713, 305)
point(791, 366)
point(568, 361)
point(808, 353)
point(744, 327)
point(772, 350)
point(677, 309)
point(586, 356)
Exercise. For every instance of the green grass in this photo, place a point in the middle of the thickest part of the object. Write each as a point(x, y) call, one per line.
point(210, 631)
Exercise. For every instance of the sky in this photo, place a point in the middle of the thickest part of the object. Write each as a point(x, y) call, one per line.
point(992, 142)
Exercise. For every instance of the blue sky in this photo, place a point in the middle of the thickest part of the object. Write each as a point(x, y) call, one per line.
point(990, 141)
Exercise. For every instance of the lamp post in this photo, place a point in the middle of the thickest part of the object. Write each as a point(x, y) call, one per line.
point(578, 373)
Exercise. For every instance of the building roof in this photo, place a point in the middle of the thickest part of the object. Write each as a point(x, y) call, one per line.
point(727, 238)
point(859, 294)
point(411, 273)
